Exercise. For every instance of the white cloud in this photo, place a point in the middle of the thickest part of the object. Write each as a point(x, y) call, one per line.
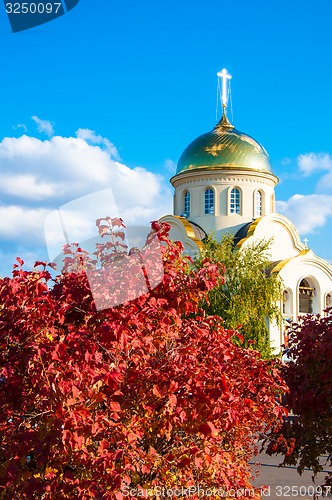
point(37, 176)
point(22, 225)
point(90, 136)
point(313, 162)
point(170, 166)
point(21, 125)
point(324, 183)
point(44, 126)
point(307, 212)
point(26, 187)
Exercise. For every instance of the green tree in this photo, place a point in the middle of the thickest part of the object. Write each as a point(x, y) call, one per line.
point(250, 294)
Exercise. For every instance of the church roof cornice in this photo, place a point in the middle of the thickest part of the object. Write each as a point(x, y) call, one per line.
point(279, 219)
point(307, 256)
point(223, 173)
point(192, 231)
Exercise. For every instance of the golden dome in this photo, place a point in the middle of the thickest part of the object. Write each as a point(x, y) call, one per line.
point(224, 147)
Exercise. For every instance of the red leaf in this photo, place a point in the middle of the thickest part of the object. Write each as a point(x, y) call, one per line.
point(199, 462)
point(115, 406)
point(172, 400)
point(205, 429)
point(132, 437)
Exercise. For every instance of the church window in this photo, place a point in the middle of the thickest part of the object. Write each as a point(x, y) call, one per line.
point(187, 204)
point(328, 300)
point(306, 296)
point(209, 201)
point(235, 201)
point(258, 204)
point(287, 306)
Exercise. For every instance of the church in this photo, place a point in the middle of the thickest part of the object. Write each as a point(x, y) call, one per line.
point(224, 182)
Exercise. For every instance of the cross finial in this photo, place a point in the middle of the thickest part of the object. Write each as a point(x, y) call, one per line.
point(306, 242)
point(224, 75)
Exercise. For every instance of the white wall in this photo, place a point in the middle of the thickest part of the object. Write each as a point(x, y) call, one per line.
point(222, 181)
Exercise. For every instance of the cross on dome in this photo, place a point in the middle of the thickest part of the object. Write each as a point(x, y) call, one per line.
point(224, 76)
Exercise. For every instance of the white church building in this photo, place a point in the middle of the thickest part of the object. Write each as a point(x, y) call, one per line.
point(224, 183)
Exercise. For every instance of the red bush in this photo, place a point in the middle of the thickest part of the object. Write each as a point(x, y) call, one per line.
point(309, 377)
point(149, 393)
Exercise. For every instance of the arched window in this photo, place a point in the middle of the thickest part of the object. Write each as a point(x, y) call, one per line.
point(258, 204)
point(306, 297)
point(235, 201)
point(287, 307)
point(209, 201)
point(187, 204)
point(328, 300)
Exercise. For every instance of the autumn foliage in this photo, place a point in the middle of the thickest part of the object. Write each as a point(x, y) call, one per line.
point(149, 393)
point(309, 376)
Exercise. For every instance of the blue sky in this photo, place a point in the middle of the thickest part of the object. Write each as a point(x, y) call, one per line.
point(110, 94)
